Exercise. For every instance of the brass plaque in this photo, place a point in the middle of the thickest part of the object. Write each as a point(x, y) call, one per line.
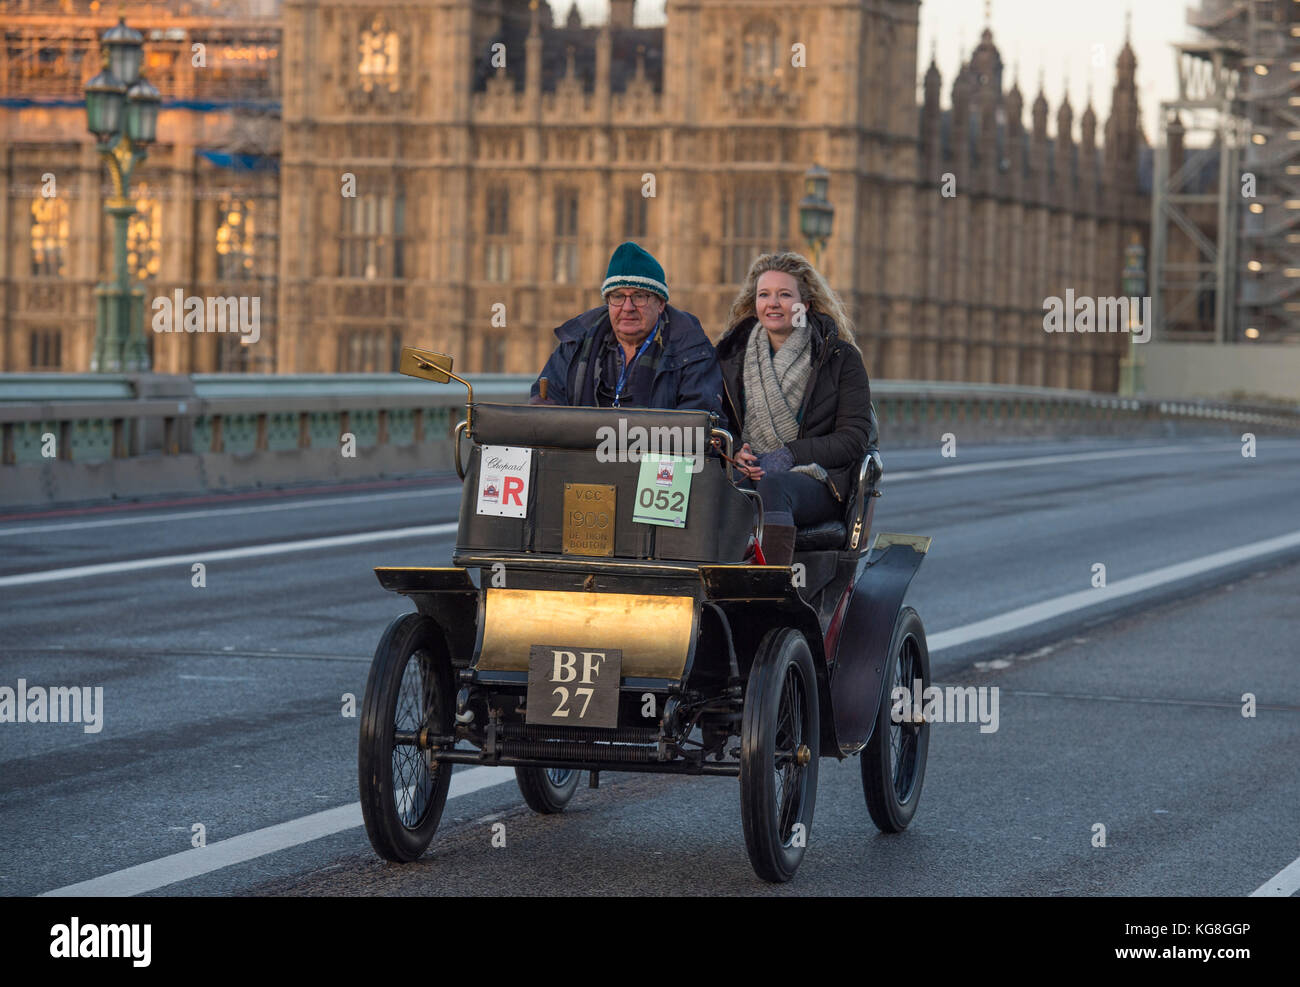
point(588, 519)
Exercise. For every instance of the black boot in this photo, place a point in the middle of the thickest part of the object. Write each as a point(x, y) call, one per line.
point(778, 538)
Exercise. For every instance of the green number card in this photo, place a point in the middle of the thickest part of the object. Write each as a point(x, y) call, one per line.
point(663, 490)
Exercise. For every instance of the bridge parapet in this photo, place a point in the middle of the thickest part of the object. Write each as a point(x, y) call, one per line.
point(67, 438)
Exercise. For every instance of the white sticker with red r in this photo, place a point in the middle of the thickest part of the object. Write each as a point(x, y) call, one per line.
point(503, 481)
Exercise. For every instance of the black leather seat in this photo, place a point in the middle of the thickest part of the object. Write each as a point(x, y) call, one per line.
point(836, 533)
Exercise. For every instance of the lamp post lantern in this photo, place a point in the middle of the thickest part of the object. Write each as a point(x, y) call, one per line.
point(122, 113)
point(816, 214)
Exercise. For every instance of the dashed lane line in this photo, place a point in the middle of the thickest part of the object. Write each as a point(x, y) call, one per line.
point(221, 555)
point(1053, 460)
point(1035, 613)
point(168, 518)
point(1283, 884)
point(188, 864)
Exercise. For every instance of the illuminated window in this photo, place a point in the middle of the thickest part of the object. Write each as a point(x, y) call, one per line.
point(144, 236)
point(236, 238)
point(49, 237)
point(379, 56)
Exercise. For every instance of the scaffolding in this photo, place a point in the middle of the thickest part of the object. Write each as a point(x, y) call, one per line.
point(1226, 185)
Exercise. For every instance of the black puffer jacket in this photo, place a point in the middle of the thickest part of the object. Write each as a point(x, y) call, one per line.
point(835, 419)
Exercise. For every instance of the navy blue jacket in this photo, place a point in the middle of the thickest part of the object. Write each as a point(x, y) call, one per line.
point(687, 375)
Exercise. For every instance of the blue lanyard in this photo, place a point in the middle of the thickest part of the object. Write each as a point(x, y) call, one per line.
point(627, 370)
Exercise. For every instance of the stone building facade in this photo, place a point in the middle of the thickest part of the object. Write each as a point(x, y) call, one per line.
point(454, 174)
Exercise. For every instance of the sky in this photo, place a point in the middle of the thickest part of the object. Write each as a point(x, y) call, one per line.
point(1051, 39)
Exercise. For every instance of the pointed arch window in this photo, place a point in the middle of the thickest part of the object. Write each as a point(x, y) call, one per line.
point(758, 49)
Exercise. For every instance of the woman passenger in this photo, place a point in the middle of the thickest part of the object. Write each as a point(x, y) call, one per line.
point(797, 395)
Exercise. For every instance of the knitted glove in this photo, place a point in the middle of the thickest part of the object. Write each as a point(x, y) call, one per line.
point(777, 461)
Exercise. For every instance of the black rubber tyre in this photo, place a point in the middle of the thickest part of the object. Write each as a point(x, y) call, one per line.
point(547, 790)
point(893, 763)
point(403, 790)
point(780, 746)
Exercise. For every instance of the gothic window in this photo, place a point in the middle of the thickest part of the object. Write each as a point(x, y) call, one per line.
point(236, 238)
point(634, 214)
point(379, 49)
point(497, 254)
point(45, 350)
point(369, 351)
point(492, 356)
point(757, 221)
point(49, 239)
point(373, 237)
point(758, 48)
point(144, 235)
point(566, 235)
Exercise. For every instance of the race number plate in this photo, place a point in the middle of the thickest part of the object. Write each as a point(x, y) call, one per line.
point(588, 519)
point(573, 686)
point(663, 490)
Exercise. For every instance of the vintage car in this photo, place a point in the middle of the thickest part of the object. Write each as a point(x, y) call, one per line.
point(605, 613)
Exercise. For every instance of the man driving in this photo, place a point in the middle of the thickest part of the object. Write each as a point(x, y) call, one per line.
point(636, 350)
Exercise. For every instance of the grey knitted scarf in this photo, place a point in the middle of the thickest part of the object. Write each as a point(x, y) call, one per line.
point(774, 389)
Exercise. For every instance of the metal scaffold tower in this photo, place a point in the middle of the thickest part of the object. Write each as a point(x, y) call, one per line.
point(1226, 188)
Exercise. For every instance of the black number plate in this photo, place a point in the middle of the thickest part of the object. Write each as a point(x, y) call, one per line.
point(573, 686)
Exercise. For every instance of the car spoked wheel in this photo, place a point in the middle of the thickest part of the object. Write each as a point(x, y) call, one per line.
point(893, 763)
point(780, 746)
point(403, 790)
point(547, 790)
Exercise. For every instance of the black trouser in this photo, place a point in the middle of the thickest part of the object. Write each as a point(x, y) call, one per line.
point(808, 500)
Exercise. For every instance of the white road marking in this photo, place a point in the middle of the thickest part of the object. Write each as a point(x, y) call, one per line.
point(192, 863)
point(1283, 884)
point(987, 465)
point(165, 518)
point(1023, 463)
point(1034, 613)
point(220, 555)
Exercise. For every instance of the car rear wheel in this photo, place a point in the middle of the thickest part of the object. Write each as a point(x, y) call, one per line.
point(547, 790)
point(893, 764)
point(403, 790)
point(780, 733)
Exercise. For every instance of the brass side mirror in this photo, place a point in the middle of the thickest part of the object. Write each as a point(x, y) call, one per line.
point(428, 365)
point(425, 364)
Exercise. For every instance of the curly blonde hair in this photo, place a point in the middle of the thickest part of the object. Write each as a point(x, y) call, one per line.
point(813, 292)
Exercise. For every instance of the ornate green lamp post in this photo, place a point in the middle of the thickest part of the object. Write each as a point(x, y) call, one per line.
point(1134, 283)
point(816, 214)
point(122, 113)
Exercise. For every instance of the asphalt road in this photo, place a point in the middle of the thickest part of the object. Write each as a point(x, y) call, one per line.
point(222, 703)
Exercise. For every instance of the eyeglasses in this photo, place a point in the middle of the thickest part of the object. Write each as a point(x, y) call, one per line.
point(617, 299)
